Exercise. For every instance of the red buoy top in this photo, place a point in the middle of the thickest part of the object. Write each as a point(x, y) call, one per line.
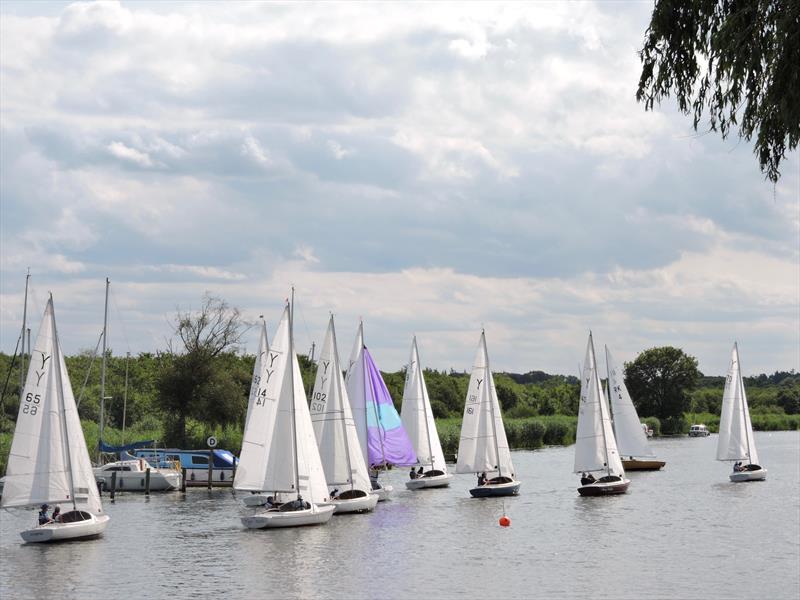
point(505, 521)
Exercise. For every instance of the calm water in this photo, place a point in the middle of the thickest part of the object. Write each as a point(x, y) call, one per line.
point(684, 532)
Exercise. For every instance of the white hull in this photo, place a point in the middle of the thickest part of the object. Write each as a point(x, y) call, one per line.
point(383, 492)
point(57, 532)
point(429, 482)
point(759, 475)
point(274, 518)
point(356, 505)
point(128, 481)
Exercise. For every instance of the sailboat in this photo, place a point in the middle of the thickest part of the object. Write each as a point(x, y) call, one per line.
point(417, 418)
point(381, 435)
point(595, 445)
point(279, 451)
point(49, 462)
point(483, 447)
point(630, 437)
point(255, 498)
point(736, 442)
point(335, 430)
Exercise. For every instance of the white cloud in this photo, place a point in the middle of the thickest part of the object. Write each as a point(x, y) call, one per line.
point(121, 151)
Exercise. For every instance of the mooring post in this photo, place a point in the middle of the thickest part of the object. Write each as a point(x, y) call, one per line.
point(210, 465)
point(147, 482)
point(113, 484)
point(183, 480)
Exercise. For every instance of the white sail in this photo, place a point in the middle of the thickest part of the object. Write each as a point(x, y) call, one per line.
point(483, 445)
point(736, 440)
point(266, 427)
point(595, 446)
point(261, 356)
point(356, 390)
point(334, 427)
point(417, 416)
point(48, 461)
point(630, 437)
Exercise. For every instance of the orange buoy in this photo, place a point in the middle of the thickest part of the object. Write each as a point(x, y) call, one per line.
point(505, 521)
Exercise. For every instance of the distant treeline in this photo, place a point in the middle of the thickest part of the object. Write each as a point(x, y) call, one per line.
point(535, 397)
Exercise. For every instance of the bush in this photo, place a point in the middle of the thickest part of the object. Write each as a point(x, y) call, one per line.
point(653, 423)
point(674, 425)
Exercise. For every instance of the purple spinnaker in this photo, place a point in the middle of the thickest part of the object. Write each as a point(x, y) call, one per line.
point(387, 440)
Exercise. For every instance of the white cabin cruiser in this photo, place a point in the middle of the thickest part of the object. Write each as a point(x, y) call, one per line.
point(131, 476)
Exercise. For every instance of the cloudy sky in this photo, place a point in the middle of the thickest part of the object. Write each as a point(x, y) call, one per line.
point(432, 168)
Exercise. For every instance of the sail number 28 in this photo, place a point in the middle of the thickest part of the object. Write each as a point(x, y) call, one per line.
point(31, 405)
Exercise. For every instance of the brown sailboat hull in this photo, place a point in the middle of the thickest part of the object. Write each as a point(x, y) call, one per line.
point(642, 465)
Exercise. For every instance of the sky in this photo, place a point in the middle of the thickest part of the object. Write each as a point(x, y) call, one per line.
point(431, 169)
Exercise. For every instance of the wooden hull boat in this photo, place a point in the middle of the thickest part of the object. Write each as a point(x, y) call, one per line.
point(432, 481)
point(499, 486)
point(275, 517)
point(605, 488)
point(86, 525)
point(642, 465)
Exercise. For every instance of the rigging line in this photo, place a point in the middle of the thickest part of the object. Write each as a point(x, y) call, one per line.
point(88, 372)
point(121, 319)
point(305, 326)
point(8, 376)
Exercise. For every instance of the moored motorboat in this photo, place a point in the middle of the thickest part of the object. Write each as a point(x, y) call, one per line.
point(132, 475)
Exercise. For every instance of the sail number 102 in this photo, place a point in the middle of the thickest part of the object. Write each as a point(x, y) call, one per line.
point(31, 406)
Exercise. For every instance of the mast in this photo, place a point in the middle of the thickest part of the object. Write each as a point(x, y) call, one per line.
point(601, 399)
point(491, 402)
point(125, 396)
point(745, 410)
point(22, 337)
point(62, 410)
point(103, 372)
point(291, 384)
point(339, 390)
point(424, 404)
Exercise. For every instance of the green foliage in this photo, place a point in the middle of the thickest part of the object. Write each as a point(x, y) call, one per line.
point(674, 425)
point(659, 381)
point(654, 423)
point(736, 60)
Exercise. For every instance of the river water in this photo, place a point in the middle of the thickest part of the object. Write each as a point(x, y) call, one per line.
point(684, 532)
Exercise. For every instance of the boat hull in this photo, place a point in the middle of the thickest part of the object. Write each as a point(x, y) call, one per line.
point(757, 475)
point(642, 465)
point(62, 532)
point(604, 488)
point(423, 483)
point(135, 481)
point(383, 492)
point(355, 505)
point(492, 490)
point(273, 518)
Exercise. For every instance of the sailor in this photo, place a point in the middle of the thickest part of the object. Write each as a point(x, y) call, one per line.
point(43, 518)
point(413, 474)
point(586, 479)
point(482, 478)
point(57, 514)
point(420, 472)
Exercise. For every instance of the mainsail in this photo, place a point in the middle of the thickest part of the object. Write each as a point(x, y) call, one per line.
point(48, 461)
point(736, 441)
point(595, 446)
point(630, 437)
point(333, 422)
point(380, 431)
point(483, 445)
point(417, 416)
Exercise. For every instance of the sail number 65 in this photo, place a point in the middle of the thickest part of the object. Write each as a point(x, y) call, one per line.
point(31, 404)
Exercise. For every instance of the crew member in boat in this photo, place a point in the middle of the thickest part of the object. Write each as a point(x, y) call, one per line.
point(587, 478)
point(420, 472)
point(57, 514)
point(482, 478)
point(334, 493)
point(43, 518)
point(413, 473)
point(738, 466)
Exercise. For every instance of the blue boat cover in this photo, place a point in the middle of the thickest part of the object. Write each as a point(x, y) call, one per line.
point(114, 449)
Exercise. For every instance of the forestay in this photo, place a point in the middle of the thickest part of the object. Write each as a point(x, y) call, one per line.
point(334, 427)
point(595, 446)
point(48, 461)
point(417, 416)
point(483, 445)
point(736, 441)
point(630, 437)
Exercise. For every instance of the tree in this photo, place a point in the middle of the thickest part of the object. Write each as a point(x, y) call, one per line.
point(198, 380)
point(660, 380)
point(738, 60)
